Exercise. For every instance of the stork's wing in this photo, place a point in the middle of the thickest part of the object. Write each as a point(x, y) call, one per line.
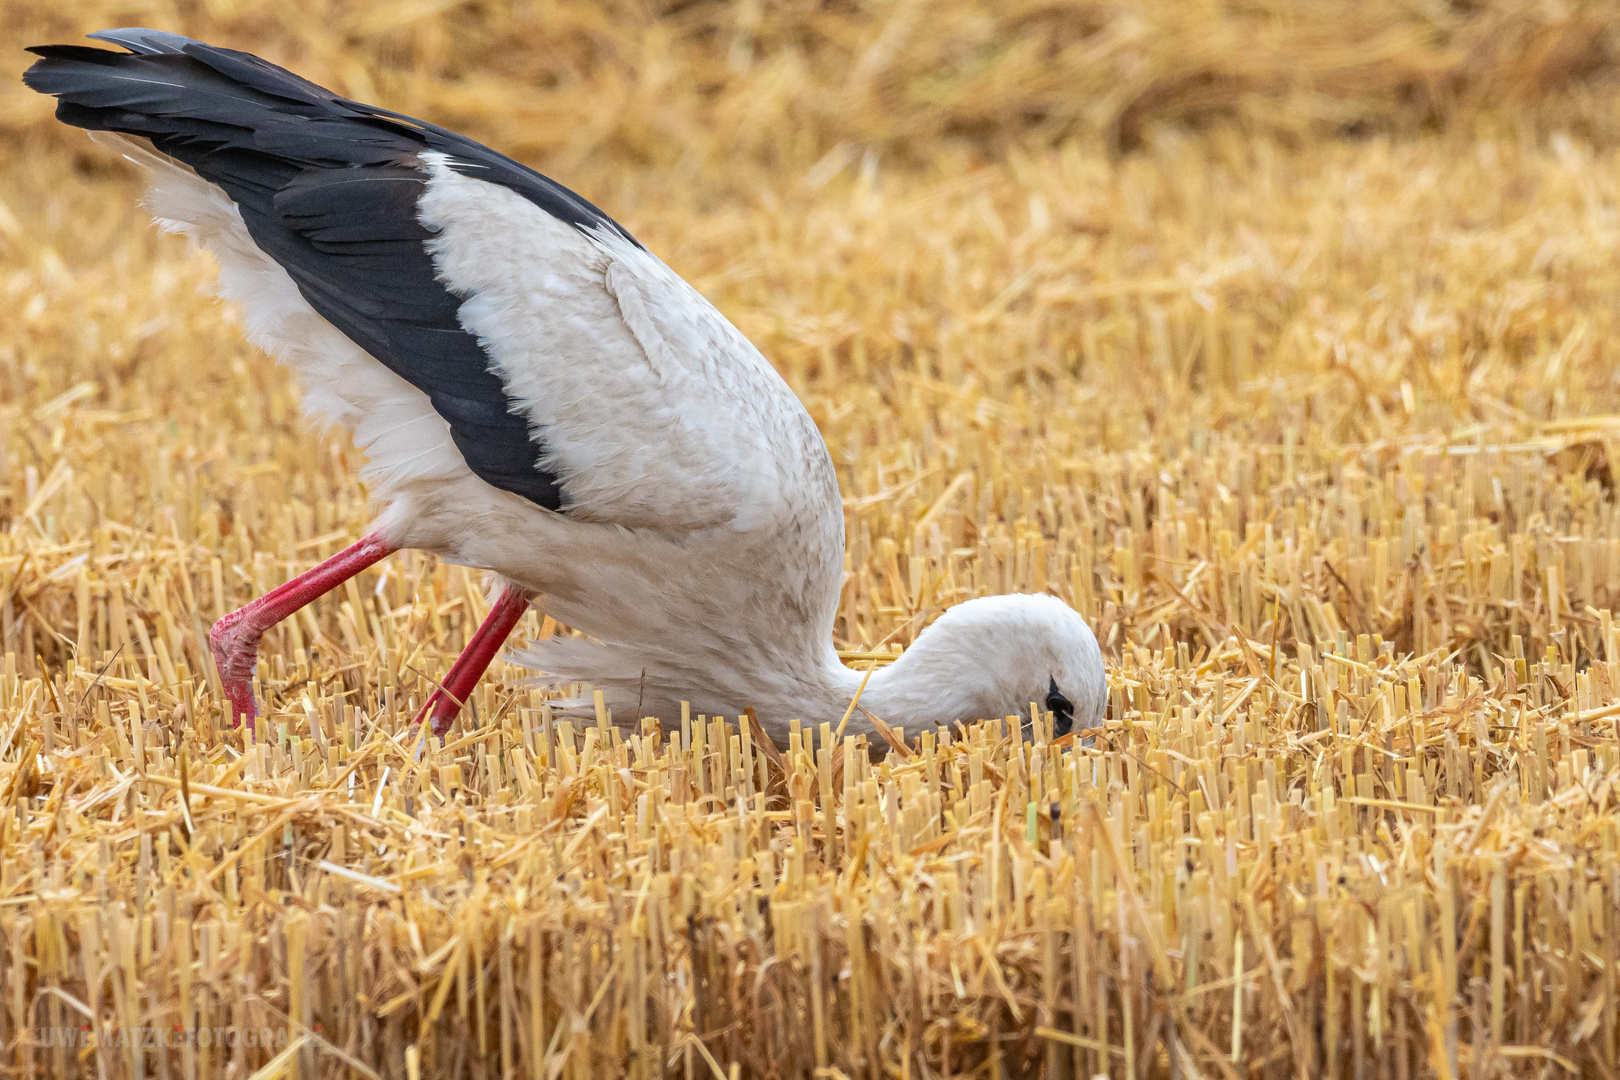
point(572, 368)
point(656, 410)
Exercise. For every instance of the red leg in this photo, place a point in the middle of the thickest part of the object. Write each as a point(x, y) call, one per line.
point(235, 637)
point(464, 674)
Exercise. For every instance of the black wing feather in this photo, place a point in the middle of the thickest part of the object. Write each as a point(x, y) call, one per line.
point(328, 188)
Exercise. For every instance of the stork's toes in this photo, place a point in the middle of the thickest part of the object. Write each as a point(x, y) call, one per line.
point(444, 714)
point(236, 654)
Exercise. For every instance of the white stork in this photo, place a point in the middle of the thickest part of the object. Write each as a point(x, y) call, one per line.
point(540, 397)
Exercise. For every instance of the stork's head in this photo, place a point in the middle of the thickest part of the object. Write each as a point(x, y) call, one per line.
point(995, 656)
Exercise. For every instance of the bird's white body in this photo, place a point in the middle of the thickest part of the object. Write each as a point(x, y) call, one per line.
point(702, 545)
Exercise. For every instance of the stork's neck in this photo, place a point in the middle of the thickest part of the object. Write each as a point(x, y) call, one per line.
point(993, 656)
point(926, 685)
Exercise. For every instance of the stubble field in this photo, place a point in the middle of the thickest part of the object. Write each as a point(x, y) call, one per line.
point(1277, 339)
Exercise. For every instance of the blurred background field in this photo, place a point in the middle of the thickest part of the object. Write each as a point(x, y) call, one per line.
point(1277, 338)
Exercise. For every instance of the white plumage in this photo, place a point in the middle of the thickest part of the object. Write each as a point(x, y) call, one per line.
point(699, 537)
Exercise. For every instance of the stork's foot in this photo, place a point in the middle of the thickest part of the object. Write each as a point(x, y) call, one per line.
point(235, 638)
point(445, 703)
point(235, 642)
point(445, 710)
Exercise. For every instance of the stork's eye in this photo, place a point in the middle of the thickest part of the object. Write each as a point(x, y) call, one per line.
point(1061, 708)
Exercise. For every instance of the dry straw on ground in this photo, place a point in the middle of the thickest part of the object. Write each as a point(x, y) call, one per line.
point(1276, 338)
